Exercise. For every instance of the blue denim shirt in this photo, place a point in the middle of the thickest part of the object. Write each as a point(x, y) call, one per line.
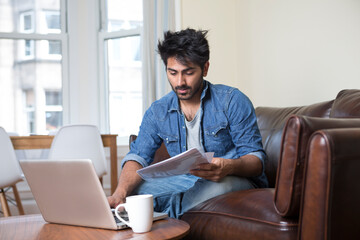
point(228, 128)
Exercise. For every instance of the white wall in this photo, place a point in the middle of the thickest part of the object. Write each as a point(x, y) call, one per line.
point(281, 52)
point(83, 88)
point(219, 17)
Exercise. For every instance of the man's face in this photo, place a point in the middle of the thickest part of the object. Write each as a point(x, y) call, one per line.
point(185, 80)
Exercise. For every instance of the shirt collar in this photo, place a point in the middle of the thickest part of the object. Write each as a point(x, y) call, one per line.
point(205, 89)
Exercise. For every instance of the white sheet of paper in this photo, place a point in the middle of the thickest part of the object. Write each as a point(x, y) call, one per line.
point(177, 165)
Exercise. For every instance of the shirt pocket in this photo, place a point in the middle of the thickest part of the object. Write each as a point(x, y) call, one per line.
point(218, 139)
point(171, 142)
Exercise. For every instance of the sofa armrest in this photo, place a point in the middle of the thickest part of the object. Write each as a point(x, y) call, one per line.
point(295, 139)
point(331, 194)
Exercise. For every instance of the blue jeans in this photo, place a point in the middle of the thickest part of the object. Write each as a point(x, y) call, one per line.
point(176, 195)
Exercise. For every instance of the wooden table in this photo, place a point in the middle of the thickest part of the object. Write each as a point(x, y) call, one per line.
point(44, 141)
point(31, 227)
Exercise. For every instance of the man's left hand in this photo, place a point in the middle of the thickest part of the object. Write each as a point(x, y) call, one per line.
point(214, 171)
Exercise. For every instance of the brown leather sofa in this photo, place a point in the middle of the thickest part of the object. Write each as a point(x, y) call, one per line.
point(313, 169)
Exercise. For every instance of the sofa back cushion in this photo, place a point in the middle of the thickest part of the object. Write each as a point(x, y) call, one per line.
point(346, 104)
point(271, 123)
point(296, 135)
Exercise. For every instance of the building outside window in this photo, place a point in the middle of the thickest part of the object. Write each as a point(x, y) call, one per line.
point(31, 68)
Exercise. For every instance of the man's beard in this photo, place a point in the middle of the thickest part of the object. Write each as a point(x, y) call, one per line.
point(188, 95)
point(183, 96)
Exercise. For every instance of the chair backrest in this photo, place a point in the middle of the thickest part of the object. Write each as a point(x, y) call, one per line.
point(79, 142)
point(10, 171)
point(20, 153)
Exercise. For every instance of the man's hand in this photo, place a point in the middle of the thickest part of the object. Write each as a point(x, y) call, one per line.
point(115, 200)
point(245, 166)
point(128, 181)
point(214, 171)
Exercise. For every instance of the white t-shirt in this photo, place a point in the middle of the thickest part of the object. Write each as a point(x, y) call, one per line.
point(193, 138)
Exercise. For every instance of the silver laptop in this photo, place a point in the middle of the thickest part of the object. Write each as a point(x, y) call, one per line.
point(69, 192)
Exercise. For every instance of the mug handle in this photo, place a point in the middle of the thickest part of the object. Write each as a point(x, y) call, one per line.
point(118, 216)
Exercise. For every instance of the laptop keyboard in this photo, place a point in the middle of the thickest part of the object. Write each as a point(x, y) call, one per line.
point(124, 216)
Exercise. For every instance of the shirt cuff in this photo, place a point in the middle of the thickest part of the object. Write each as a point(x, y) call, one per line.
point(258, 154)
point(262, 158)
point(134, 157)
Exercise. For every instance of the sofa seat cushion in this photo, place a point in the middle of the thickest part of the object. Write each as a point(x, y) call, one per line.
point(248, 214)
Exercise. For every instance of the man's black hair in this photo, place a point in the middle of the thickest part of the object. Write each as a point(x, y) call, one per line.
point(186, 46)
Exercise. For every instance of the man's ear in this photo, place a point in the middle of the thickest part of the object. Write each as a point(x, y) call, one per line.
point(206, 68)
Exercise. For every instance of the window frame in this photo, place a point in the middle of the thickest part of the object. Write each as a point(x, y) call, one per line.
point(103, 36)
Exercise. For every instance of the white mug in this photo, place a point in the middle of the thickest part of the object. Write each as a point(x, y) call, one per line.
point(140, 210)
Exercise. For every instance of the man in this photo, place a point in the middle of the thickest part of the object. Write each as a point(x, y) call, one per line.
point(211, 118)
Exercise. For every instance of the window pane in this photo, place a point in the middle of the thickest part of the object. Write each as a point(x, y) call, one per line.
point(28, 50)
point(53, 98)
point(29, 16)
point(125, 85)
point(28, 25)
point(124, 14)
point(53, 120)
point(54, 47)
point(52, 19)
point(30, 88)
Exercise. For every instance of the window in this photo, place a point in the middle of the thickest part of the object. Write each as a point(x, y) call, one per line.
point(31, 67)
point(100, 79)
point(52, 19)
point(54, 47)
point(26, 47)
point(27, 22)
point(53, 109)
point(28, 51)
point(121, 44)
point(29, 110)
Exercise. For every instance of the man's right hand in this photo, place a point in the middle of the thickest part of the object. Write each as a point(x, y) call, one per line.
point(114, 201)
point(128, 181)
